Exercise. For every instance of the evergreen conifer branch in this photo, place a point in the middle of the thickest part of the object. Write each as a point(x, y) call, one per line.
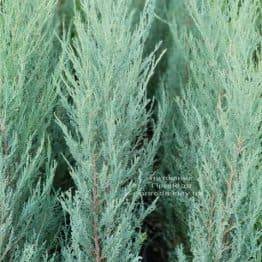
point(27, 97)
point(107, 103)
point(218, 142)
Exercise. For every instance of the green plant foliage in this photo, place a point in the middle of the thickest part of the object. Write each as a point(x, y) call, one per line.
point(218, 139)
point(27, 96)
point(109, 116)
point(107, 104)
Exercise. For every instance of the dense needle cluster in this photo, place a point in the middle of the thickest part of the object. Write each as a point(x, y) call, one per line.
point(105, 101)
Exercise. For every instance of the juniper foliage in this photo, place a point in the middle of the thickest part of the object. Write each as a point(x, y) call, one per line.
point(106, 100)
point(218, 141)
point(27, 97)
point(206, 133)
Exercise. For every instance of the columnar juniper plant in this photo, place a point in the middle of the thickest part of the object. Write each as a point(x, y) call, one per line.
point(105, 96)
point(218, 141)
point(204, 134)
point(27, 96)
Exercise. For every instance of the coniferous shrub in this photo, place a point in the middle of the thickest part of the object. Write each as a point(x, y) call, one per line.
point(27, 97)
point(105, 96)
point(217, 136)
point(83, 140)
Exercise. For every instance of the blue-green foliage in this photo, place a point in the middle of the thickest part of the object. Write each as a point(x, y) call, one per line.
point(218, 141)
point(27, 96)
point(105, 96)
point(93, 65)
